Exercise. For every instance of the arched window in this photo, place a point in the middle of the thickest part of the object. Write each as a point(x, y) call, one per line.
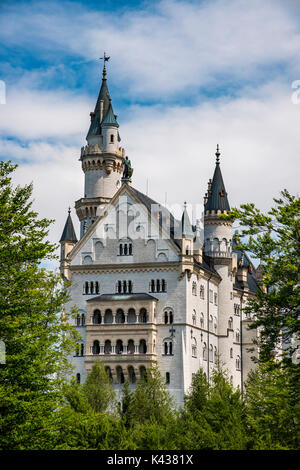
point(194, 347)
point(108, 371)
point(97, 317)
point(211, 358)
point(210, 322)
point(91, 287)
point(130, 347)
point(238, 363)
point(231, 353)
point(131, 316)
point(131, 375)
point(77, 350)
point(108, 317)
point(78, 320)
point(204, 352)
point(78, 378)
point(119, 346)
point(82, 319)
point(202, 292)
point(121, 249)
point(142, 347)
point(201, 320)
point(166, 349)
point(194, 288)
point(143, 373)
point(86, 287)
point(119, 287)
point(230, 323)
point(166, 316)
point(167, 377)
point(152, 289)
point(130, 287)
point(82, 349)
point(157, 285)
point(125, 249)
point(170, 348)
point(107, 347)
point(96, 347)
point(120, 375)
point(112, 138)
point(143, 315)
point(215, 354)
point(237, 336)
point(171, 317)
point(96, 287)
point(163, 285)
point(124, 287)
point(130, 249)
point(120, 316)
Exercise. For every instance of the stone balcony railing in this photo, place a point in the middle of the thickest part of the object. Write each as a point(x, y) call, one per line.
point(218, 254)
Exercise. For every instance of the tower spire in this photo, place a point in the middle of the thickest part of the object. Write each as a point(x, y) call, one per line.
point(217, 155)
point(105, 58)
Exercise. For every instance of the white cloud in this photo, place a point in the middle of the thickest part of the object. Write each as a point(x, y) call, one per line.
point(174, 49)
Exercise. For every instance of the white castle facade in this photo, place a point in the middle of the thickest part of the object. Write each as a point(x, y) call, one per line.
point(146, 285)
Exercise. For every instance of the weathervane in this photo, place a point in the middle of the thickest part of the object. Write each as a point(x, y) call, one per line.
point(105, 58)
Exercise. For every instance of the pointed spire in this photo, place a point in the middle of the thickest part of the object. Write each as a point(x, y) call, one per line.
point(69, 234)
point(217, 195)
point(218, 155)
point(186, 226)
point(110, 118)
point(102, 104)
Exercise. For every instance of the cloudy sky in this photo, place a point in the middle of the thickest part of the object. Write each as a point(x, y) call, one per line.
point(183, 76)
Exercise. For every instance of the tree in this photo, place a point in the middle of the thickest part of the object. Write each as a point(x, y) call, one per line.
point(150, 400)
point(125, 405)
point(272, 408)
point(274, 238)
point(36, 338)
point(213, 416)
point(98, 389)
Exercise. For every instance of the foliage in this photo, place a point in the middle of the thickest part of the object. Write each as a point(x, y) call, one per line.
point(151, 400)
point(274, 238)
point(35, 336)
point(273, 408)
point(98, 388)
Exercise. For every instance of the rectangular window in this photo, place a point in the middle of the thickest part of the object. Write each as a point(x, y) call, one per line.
point(167, 377)
point(216, 299)
point(210, 296)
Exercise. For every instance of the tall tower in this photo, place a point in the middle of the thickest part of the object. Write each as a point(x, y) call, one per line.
point(218, 241)
point(102, 158)
point(67, 242)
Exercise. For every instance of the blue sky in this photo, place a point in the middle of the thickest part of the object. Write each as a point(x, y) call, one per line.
point(183, 76)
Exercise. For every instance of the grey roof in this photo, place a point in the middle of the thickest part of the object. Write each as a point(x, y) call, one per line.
point(244, 261)
point(109, 297)
point(69, 234)
point(147, 201)
point(105, 97)
point(186, 226)
point(217, 195)
point(110, 118)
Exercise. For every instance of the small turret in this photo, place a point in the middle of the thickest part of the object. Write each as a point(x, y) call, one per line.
point(217, 232)
point(67, 242)
point(187, 242)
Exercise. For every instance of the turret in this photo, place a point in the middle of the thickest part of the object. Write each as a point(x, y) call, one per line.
point(187, 242)
point(67, 242)
point(102, 158)
point(217, 232)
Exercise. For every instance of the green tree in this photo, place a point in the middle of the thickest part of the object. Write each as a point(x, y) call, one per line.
point(150, 400)
point(98, 389)
point(272, 408)
point(213, 416)
point(36, 337)
point(274, 238)
point(125, 405)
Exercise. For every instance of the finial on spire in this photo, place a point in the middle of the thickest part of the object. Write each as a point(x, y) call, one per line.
point(218, 155)
point(105, 58)
point(69, 210)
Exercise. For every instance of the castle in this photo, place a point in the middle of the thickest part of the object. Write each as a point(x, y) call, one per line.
point(149, 287)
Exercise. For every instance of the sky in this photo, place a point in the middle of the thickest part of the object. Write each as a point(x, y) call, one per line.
point(184, 76)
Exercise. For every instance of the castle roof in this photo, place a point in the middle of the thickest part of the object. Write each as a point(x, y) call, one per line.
point(186, 226)
point(69, 234)
point(105, 98)
point(110, 117)
point(217, 195)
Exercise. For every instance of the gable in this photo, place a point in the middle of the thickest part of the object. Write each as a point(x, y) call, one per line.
point(125, 232)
